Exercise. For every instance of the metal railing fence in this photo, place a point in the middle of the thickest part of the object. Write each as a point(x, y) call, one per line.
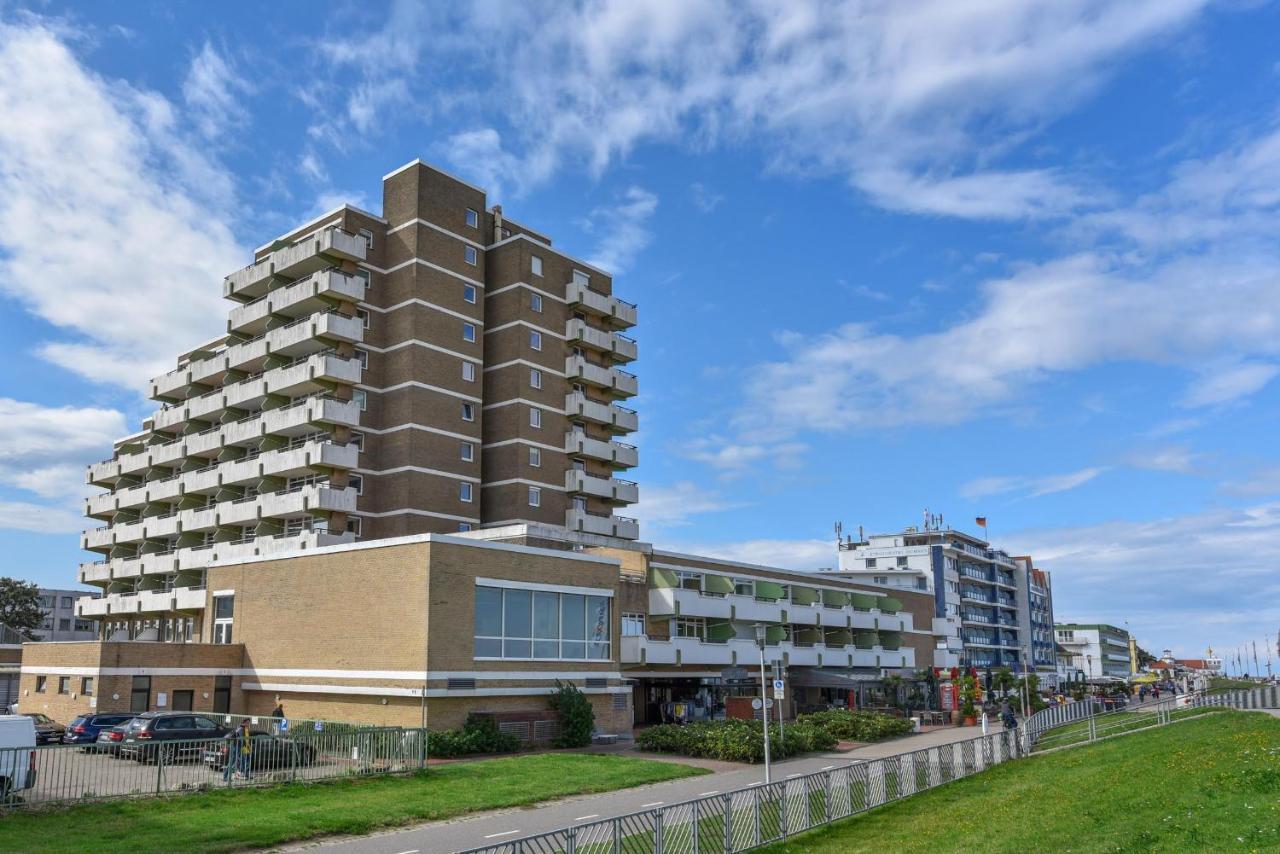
point(74, 773)
point(748, 818)
point(1056, 716)
point(1264, 697)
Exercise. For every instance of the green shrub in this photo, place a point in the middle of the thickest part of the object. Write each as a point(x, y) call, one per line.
point(847, 725)
point(478, 735)
point(734, 740)
point(577, 719)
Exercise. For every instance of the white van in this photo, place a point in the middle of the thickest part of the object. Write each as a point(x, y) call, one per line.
point(17, 754)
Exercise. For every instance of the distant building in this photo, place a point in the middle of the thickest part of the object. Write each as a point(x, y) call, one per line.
point(1098, 650)
point(60, 620)
point(1035, 619)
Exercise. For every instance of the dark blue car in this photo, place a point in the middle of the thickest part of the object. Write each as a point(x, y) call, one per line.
point(85, 729)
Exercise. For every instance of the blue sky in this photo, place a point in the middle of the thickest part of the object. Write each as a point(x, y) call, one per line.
point(1004, 259)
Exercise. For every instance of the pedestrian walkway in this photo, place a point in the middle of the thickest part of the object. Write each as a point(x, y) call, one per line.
point(491, 827)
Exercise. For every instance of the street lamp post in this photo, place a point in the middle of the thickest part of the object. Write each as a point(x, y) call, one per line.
point(764, 698)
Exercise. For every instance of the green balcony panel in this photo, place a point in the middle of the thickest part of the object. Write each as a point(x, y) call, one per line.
point(770, 590)
point(808, 634)
point(891, 640)
point(862, 601)
point(866, 639)
point(804, 595)
point(889, 605)
point(839, 637)
point(717, 584)
point(720, 632)
point(774, 634)
point(835, 598)
point(662, 578)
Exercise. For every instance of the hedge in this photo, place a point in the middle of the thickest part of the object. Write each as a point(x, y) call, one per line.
point(478, 735)
point(846, 725)
point(734, 740)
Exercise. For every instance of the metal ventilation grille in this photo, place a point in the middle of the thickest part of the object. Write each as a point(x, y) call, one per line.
point(597, 682)
point(619, 702)
point(461, 684)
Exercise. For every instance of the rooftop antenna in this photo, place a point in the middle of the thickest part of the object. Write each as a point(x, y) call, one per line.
point(839, 531)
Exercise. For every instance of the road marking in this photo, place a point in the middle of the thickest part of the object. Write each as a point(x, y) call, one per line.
point(585, 817)
point(654, 804)
point(504, 833)
point(712, 792)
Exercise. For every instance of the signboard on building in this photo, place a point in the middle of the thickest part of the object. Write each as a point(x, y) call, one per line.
point(900, 551)
point(947, 697)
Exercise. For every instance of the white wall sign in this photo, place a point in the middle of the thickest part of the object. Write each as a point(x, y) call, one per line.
point(162, 700)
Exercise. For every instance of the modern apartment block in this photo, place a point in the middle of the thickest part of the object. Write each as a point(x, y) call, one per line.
point(978, 619)
point(1035, 619)
point(432, 369)
point(60, 620)
point(1098, 650)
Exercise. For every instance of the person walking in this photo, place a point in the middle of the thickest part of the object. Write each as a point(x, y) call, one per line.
point(1142, 694)
point(1155, 692)
point(277, 715)
point(239, 752)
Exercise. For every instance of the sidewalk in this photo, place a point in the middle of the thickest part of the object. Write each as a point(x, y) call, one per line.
point(491, 827)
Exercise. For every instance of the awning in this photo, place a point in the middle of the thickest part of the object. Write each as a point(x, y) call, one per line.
point(889, 605)
point(769, 590)
point(717, 584)
point(835, 598)
point(862, 601)
point(803, 595)
point(826, 678)
point(659, 578)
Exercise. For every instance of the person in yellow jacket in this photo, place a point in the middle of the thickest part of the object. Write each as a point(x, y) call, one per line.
point(239, 752)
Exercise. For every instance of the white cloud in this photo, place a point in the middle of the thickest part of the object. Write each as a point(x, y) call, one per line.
point(109, 220)
point(1194, 580)
point(662, 507)
point(24, 516)
point(783, 554)
point(212, 90)
point(1228, 384)
point(1031, 487)
point(704, 198)
point(1179, 459)
point(623, 229)
point(733, 459)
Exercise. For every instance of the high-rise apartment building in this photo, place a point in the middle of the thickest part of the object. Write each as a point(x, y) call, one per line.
point(1035, 620)
point(434, 369)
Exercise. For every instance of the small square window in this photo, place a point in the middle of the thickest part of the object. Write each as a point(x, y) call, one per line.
point(536, 264)
point(535, 457)
point(368, 237)
point(535, 416)
point(363, 315)
point(468, 332)
point(535, 496)
point(365, 277)
point(468, 452)
point(361, 399)
point(535, 378)
point(469, 293)
point(356, 481)
point(535, 339)
point(581, 278)
point(41, 681)
point(362, 356)
point(473, 218)
point(464, 491)
point(535, 302)
point(357, 439)
point(469, 371)
point(468, 412)
point(86, 686)
point(469, 252)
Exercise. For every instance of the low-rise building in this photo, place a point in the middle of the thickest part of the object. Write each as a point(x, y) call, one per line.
point(1098, 650)
point(61, 622)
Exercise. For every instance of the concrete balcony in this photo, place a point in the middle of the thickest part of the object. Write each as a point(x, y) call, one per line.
point(604, 526)
point(809, 615)
point(310, 254)
point(617, 454)
point(312, 374)
point(619, 347)
point(302, 500)
point(98, 538)
point(188, 598)
point(609, 488)
point(96, 572)
point(314, 293)
point(643, 650)
point(103, 473)
point(749, 609)
point(619, 313)
point(301, 417)
point(613, 380)
point(617, 418)
point(88, 606)
point(688, 603)
point(802, 656)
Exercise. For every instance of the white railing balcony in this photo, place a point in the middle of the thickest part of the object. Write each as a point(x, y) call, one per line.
point(617, 453)
point(608, 488)
point(695, 651)
point(862, 620)
point(171, 383)
point(691, 603)
point(307, 255)
point(604, 526)
point(298, 299)
point(619, 418)
point(88, 606)
point(802, 656)
point(749, 609)
point(618, 346)
point(808, 615)
point(619, 312)
point(638, 649)
point(203, 442)
point(308, 374)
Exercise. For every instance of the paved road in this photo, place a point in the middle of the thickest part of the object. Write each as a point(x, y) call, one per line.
point(493, 827)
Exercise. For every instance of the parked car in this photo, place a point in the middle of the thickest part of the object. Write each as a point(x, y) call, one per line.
point(17, 754)
point(168, 735)
point(84, 730)
point(48, 731)
point(110, 739)
point(269, 751)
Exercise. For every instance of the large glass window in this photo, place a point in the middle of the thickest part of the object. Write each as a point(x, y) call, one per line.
point(223, 613)
point(541, 624)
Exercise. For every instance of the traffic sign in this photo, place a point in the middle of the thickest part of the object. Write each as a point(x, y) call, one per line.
point(778, 689)
point(757, 704)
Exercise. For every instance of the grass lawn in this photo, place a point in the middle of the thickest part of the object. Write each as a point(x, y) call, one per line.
point(248, 818)
point(1222, 684)
point(1208, 784)
point(1112, 723)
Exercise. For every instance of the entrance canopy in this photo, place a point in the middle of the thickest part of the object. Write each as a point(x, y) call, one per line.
point(820, 677)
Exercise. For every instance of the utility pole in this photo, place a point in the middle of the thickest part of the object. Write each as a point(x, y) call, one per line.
point(764, 699)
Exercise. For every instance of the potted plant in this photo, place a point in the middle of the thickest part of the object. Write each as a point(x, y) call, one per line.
point(968, 689)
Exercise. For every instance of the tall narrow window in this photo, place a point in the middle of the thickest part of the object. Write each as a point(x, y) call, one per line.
point(535, 496)
point(535, 416)
point(469, 371)
point(469, 252)
point(473, 218)
point(361, 399)
point(536, 265)
point(469, 293)
point(535, 457)
point(368, 237)
point(535, 378)
point(468, 332)
point(535, 302)
point(535, 339)
point(223, 616)
point(468, 412)
point(468, 452)
point(464, 491)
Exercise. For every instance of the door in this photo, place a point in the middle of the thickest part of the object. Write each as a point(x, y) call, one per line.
point(182, 700)
point(140, 696)
point(222, 694)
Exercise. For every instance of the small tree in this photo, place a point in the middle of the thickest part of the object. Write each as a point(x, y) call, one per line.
point(20, 605)
point(1004, 680)
point(968, 689)
point(577, 719)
